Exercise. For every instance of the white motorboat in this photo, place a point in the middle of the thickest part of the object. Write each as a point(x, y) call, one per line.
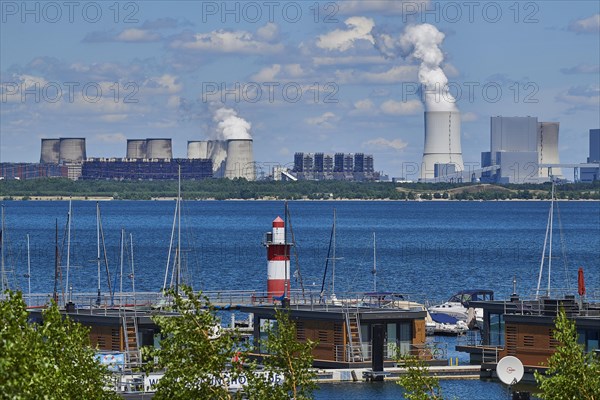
point(458, 306)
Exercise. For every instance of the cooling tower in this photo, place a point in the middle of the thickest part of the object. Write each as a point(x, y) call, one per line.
point(240, 159)
point(136, 148)
point(547, 147)
point(50, 151)
point(197, 149)
point(72, 150)
point(217, 152)
point(442, 142)
point(159, 148)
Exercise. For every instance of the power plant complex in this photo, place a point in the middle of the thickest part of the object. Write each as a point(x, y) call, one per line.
point(145, 159)
point(522, 150)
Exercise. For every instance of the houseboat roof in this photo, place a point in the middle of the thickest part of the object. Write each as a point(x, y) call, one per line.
point(543, 307)
point(338, 312)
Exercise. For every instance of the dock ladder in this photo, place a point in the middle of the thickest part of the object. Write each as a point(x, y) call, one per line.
point(130, 330)
point(355, 352)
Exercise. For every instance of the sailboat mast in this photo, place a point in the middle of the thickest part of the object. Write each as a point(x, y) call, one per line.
point(132, 268)
point(178, 271)
point(110, 289)
point(98, 244)
point(548, 235)
point(68, 248)
point(3, 277)
point(550, 244)
point(333, 261)
point(28, 270)
point(121, 280)
point(56, 263)
point(170, 248)
point(374, 265)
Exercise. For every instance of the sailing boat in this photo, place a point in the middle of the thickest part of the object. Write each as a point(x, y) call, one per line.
point(333, 259)
point(176, 270)
point(3, 272)
point(548, 244)
point(7, 269)
point(100, 238)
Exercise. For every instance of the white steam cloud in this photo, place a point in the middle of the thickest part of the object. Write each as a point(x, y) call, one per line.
point(230, 126)
point(422, 42)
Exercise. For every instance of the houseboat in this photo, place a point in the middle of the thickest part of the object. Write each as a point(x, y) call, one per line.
point(524, 329)
point(348, 336)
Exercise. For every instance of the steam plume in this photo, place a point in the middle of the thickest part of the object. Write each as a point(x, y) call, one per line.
point(422, 42)
point(230, 126)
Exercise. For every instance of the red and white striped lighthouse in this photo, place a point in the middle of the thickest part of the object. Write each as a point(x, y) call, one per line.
point(278, 265)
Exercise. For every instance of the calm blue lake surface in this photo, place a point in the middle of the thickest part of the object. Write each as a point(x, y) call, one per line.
point(426, 249)
point(451, 389)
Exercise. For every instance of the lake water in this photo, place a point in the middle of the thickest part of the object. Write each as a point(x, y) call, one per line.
point(426, 249)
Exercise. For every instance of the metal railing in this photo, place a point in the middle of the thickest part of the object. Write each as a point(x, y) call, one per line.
point(551, 306)
point(470, 338)
point(490, 354)
point(224, 298)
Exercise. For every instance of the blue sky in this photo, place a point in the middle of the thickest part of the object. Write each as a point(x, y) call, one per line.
point(308, 76)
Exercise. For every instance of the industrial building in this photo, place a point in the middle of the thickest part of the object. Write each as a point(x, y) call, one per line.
point(340, 166)
point(590, 174)
point(32, 171)
point(146, 169)
point(518, 145)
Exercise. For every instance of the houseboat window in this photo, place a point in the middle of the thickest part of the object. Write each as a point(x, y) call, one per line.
point(365, 335)
point(405, 336)
point(590, 339)
point(392, 338)
point(496, 329)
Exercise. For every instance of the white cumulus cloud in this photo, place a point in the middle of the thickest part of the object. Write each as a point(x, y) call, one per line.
point(325, 120)
point(396, 74)
point(137, 35)
point(387, 6)
point(225, 41)
point(358, 28)
point(110, 138)
point(383, 143)
point(393, 107)
point(586, 25)
point(269, 32)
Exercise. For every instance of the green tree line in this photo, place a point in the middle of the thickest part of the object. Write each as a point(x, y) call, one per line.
point(54, 359)
point(222, 189)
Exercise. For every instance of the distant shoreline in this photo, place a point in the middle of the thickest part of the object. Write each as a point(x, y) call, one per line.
point(110, 198)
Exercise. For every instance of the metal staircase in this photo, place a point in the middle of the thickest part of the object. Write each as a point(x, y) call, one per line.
point(355, 352)
point(130, 330)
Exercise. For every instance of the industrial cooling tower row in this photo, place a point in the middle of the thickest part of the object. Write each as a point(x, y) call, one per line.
point(231, 159)
point(149, 148)
point(63, 150)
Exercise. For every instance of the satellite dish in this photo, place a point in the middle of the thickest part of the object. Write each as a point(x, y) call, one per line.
point(510, 370)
